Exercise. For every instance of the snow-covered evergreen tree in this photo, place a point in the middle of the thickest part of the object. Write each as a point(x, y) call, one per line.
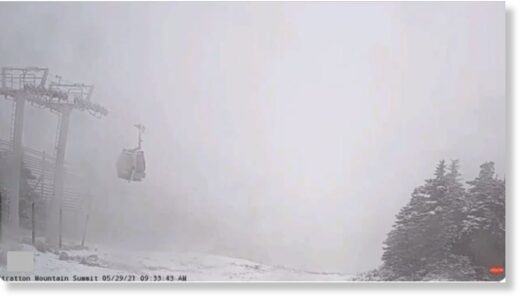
point(427, 228)
point(482, 236)
point(446, 233)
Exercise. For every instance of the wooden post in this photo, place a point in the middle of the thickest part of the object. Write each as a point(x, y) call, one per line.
point(85, 229)
point(42, 188)
point(33, 226)
point(0, 215)
point(60, 240)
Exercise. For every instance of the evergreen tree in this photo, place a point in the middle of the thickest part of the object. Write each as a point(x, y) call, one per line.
point(446, 232)
point(483, 231)
point(426, 229)
point(454, 206)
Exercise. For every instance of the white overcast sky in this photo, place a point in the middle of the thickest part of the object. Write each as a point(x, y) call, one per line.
point(287, 133)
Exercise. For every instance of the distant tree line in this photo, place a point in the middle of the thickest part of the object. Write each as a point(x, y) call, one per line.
point(448, 232)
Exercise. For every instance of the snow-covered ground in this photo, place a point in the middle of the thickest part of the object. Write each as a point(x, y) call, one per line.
point(110, 264)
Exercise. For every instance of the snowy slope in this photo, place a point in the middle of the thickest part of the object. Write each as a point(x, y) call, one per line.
point(196, 267)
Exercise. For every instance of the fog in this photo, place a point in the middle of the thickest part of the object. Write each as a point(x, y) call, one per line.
point(284, 133)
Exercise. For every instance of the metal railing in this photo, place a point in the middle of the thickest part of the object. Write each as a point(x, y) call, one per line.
point(41, 166)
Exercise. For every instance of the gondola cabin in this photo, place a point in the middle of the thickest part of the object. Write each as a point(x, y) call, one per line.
point(131, 164)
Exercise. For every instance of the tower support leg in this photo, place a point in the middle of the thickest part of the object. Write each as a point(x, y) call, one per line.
point(55, 209)
point(16, 166)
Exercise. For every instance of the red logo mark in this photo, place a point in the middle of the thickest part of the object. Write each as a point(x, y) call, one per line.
point(496, 270)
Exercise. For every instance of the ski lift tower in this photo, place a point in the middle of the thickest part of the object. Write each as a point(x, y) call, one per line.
point(21, 85)
point(28, 84)
point(78, 97)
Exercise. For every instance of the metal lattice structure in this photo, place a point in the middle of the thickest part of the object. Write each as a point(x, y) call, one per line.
point(16, 79)
point(41, 167)
point(29, 84)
